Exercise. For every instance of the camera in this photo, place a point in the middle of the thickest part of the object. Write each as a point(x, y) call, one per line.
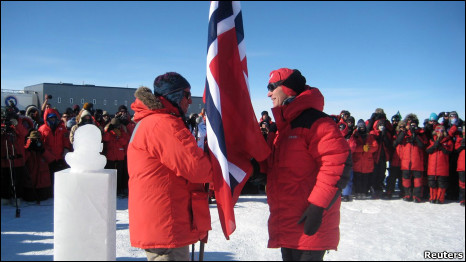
point(7, 115)
point(49, 96)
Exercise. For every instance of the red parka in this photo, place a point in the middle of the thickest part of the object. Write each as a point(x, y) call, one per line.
point(38, 168)
point(438, 162)
point(56, 141)
point(306, 166)
point(363, 162)
point(384, 141)
point(460, 166)
point(167, 208)
point(412, 151)
point(115, 144)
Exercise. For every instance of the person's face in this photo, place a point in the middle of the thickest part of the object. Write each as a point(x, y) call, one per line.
point(52, 120)
point(186, 100)
point(65, 117)
point(440, 132)
point(277, 96)
point(105, 117)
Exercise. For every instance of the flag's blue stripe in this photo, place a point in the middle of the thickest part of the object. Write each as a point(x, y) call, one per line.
point(233, 183)
point(215, 120)
point(239, 27)
point(224, 10)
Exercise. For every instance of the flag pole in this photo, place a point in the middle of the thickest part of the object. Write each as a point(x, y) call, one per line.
point(192, 252)
point(201, 251)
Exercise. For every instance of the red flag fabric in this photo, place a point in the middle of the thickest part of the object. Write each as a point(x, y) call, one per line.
point(233, 135)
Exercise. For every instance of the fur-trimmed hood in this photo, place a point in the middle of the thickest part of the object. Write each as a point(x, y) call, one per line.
point(413, 117)
point(145, 95)
point(400, 124)
point(147, 103)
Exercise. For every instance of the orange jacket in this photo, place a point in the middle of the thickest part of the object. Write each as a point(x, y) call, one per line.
point(306, 166)
point(167, 208)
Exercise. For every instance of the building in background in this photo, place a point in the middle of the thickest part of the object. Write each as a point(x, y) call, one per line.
point(107, 98)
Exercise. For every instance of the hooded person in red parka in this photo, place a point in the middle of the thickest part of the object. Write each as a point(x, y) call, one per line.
point(37, 184)
point(438, 164)
point(411, 143)
point(168, 208)
point(309, 165)
point(363, 145)
point(115, 141)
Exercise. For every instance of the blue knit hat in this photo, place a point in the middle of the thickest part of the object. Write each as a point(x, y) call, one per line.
point(433, 117)
point(171, 85)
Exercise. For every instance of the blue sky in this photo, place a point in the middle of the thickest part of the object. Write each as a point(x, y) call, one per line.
point(406, 56)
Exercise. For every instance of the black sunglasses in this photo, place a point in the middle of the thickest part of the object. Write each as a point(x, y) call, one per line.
point(187, 95)
point(273, 86)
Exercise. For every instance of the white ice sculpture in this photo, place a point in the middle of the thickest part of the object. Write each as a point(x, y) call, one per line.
point(85, 202)
point(87, 147)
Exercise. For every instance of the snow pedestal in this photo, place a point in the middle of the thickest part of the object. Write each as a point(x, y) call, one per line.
point(85, 202)
point(85, 215)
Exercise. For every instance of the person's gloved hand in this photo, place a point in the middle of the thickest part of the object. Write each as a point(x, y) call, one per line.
point(312, 218)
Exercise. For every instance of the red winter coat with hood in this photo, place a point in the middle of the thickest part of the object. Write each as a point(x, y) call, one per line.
point(438, 162)
point(167, 207)
point(363, 162)
point(384, 141)
point(54, 141)
point(38, 168)
point(411, 152)
point(306, 166)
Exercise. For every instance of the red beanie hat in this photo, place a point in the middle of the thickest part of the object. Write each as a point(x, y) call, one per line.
point(291, 80)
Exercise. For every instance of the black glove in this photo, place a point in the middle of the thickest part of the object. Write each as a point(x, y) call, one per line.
point(312, 218)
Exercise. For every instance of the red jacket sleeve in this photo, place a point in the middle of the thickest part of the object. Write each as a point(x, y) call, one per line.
point(331, 150)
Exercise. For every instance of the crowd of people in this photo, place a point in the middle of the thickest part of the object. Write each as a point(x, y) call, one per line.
point(35, 141)
point(423, 163)
point(317, 160)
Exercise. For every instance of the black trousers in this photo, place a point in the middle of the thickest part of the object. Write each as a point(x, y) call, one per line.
point(289, 254)
point(394, 176)
point(378, 175)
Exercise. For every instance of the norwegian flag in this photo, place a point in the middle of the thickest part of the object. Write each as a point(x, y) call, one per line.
point(233, 134)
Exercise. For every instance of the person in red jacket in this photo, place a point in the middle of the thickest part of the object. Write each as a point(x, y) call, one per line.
point(438, 164)
point(412, 144)
point(363, 145)
point(381, 155)
point(306, 172)
point(54, 138)
point(37, 184)
point(13, 134)
point(394, 171)
point(459, 147)
point(115, 140)
point(168, 207)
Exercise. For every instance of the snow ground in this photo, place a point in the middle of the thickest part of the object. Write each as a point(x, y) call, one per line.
point(369, 230)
